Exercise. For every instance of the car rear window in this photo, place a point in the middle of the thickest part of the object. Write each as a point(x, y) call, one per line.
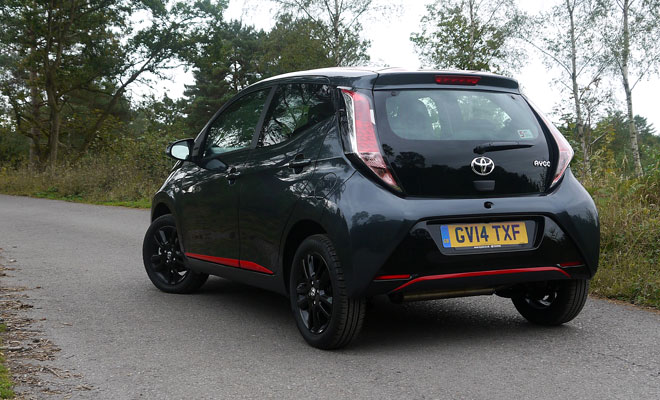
point(457, 115)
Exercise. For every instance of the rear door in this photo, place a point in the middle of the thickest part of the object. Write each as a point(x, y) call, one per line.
point(462, 142)
point(279, 167)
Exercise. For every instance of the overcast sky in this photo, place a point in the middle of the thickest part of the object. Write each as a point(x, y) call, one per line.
point(391, 45)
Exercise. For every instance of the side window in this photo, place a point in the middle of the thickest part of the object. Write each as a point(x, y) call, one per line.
point(295, 107)
point(234, 128)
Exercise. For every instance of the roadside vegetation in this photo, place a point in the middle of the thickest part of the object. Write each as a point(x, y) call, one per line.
point(6, 385)
point(72, 129)
point(630, 239)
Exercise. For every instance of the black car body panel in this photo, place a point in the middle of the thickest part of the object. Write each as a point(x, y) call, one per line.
point(246, 228)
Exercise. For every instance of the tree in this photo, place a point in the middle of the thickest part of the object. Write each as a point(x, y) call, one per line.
point(295, 45)
point(470, 34)
point(617, 148)
point(339, 26)
point(631, 35)
point(572, 44)
point(226, 58)
point(55, 51)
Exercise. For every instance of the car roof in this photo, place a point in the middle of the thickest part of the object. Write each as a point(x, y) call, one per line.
point(388, 78)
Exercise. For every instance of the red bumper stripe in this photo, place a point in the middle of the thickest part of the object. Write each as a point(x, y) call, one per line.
point(482, 273)
point(232, 262)
point(571, 264)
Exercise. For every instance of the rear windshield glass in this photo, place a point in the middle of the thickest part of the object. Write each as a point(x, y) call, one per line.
point(456, 115)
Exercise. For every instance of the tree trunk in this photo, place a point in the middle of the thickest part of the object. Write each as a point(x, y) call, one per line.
point(336, 37)
point(472, 28)
point(632, 128)
point(625, 54)
point(54, 121)
point(34, 157)
point(579, 121)
point(34, 128)
point(54, 137)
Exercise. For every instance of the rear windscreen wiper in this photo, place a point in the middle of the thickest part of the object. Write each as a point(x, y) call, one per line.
point(495, 146)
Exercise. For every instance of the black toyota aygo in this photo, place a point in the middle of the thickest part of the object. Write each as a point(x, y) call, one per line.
point(333, 186)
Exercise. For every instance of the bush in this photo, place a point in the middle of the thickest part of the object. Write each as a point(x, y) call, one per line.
point(630, 238)
point(125, 170)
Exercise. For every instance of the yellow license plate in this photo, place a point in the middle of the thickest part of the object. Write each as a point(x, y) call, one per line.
point(488, 235)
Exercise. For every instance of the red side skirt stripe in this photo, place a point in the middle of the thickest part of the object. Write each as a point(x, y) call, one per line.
point(232, 262)
point(391, 277)
point(482, 273)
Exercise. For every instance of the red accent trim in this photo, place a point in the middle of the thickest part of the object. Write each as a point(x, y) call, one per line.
point(255, 267)
point(232, 262)
point(218, 260)
point(391, 277)
point(481, 273)
point(571, 264)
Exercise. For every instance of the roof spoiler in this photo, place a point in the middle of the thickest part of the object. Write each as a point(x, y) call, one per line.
point(442, 79)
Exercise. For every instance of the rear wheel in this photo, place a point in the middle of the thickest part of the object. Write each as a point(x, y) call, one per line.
point(326, 317)
point(553, 303)
point(164, 260)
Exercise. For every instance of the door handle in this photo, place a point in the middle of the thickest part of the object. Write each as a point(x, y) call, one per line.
point(232, 174)
point(299, 163)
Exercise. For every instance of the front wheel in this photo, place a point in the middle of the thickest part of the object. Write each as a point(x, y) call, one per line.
point(164, 260)
point(326, 317)
point(552, 303)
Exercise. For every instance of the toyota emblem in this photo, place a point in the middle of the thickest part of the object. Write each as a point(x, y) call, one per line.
point(482, 166)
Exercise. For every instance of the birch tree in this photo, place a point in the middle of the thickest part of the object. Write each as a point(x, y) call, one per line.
point(632, 34)
point(572, 45)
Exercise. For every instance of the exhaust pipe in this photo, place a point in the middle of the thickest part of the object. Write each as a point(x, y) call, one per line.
point(444, 294)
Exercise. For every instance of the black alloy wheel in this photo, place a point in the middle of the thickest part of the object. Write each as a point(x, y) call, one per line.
point(326, 317)
point(314, 293)
point(164, 260)
point(552, 303)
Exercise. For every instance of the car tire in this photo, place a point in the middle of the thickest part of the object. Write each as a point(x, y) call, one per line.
point(326, 317)
point(164, 260)
point(553, 303)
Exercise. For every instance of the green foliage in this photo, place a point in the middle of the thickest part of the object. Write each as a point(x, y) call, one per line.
point(66, 66)
point(470, 35)
point(125, 171)
point(337, 25)
point(295, 45)
point(227, 59)
point(630, 239)
point(6, 385)
point(610, 147)
point(231, 56)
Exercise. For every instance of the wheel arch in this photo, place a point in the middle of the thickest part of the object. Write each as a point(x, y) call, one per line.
point(160, 209)
point(296, 235)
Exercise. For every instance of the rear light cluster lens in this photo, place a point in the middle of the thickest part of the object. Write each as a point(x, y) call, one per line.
point(457, 80)
point(565, 150)
point(362, 135)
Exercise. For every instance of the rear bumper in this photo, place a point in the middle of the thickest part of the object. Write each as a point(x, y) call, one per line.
point(464, 283)
point(379, 234)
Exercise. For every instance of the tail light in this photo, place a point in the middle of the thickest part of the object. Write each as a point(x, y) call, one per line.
point(565, 150)
point(457, 80)
point(362, 136)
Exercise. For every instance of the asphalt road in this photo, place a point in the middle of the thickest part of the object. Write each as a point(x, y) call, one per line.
point(129, 340)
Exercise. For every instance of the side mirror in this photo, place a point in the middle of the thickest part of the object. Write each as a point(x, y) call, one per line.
point(181, 149)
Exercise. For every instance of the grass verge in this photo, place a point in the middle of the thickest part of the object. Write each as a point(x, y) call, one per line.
point(6, 385)
point(629, 268)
